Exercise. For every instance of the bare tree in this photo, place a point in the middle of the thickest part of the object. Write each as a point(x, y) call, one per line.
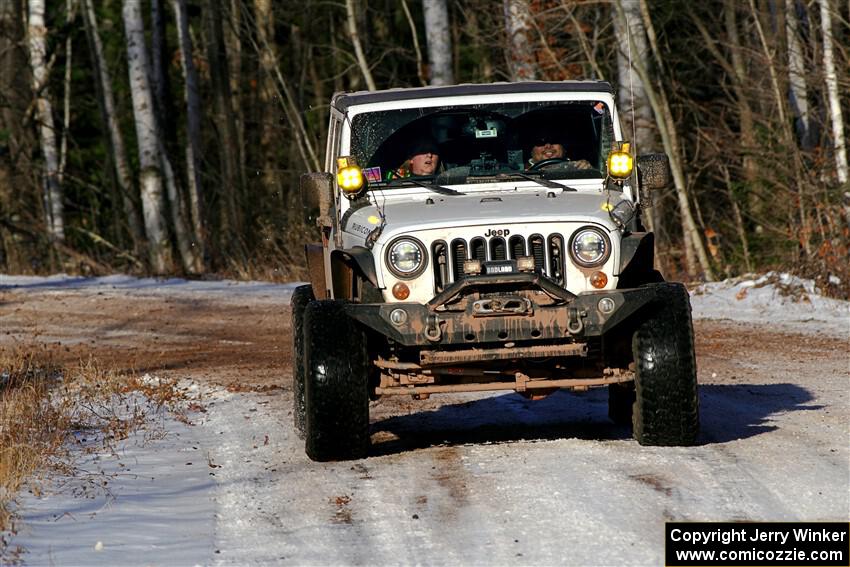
point(193, 127)
point(519, 52)
point(420, 66)
point(115, 139)
point(798, 90)
point(835, 115)
point(150, 174)
point(264, 18)
point(70, 11)
point(228, 137)
point(439, 39)
point(354, 35)
point(37, 43)
point(695, 252)
point(631, 93)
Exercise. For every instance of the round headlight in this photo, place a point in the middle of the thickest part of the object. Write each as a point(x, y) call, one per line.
point(406, 257)
point(589, 247)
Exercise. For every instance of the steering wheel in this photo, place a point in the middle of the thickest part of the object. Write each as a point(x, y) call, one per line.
point(543, 163)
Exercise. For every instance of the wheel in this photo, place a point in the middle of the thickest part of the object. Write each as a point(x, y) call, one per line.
point(300, 298)
point(621, 398)
point(336, 396)
point(666, 409)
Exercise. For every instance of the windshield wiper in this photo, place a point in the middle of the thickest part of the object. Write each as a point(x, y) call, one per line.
point(539, 180)
point(430, 186)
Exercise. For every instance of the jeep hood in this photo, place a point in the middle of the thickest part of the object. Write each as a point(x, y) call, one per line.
point(481, 209)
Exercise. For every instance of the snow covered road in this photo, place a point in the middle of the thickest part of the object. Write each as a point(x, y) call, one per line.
point(473, 479)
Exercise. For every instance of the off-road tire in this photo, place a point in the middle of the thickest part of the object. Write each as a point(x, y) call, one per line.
point(621, 398)
point(300, 298)
point(666, 409)
point(336, 384)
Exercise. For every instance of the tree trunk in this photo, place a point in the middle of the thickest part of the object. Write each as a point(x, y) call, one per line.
point(798, 92)
point(233, 50)
point(70, 12)
point(229, 151)
point(150, 174)
point(115, 139)
point(37, 43)
point(351, 22)
point(264, 18)
point(189, 250)
point(835, 115)
point(439, 41)
point(420, 65)
point(635, 110)
point(159, 75)
point(520, 55)
point(636, 113)
point(669, 137)
point(193, 129)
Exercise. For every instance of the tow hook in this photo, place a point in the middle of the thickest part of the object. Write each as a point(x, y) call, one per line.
point(432, 328)
point(574, 323)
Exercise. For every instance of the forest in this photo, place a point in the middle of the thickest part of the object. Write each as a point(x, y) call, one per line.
point(167, 137)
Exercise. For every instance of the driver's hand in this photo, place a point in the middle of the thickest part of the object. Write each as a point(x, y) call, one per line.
point(581, 164)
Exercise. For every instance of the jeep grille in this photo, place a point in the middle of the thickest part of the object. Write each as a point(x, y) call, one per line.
point(548, 252)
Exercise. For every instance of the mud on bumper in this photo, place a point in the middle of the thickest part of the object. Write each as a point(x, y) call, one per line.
point(469, 312)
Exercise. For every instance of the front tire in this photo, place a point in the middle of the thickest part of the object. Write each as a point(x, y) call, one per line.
point(301, 297)
point(336, 384)
point(666, 409)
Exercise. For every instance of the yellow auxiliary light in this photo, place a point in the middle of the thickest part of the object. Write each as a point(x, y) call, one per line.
point(620, 162)
point(349, 176)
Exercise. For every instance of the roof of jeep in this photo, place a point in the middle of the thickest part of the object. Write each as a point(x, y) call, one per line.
point(344, 100)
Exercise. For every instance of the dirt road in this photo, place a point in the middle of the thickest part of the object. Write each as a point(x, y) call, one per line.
point(484, 479)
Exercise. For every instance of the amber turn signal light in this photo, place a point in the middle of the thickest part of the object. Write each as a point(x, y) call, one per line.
point(401, 291)
point(598, 280)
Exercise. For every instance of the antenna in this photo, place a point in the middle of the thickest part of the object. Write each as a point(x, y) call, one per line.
point(631, 85)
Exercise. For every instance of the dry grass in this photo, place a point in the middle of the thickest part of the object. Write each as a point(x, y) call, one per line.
point(31, 427)
point(50, 415)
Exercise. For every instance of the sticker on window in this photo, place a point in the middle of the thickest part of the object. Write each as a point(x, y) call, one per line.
point(372, 174)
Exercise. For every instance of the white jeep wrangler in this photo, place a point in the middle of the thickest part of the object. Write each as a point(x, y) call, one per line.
point(491, 271)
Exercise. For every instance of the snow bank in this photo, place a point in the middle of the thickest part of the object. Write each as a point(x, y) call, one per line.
point(149, 286)
point(775, 299)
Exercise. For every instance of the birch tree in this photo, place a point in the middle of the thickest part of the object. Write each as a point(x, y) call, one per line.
point(439, 40)
point(635, 111)
point(695, 252)
point(798, 92)
point(835, 116)
point(37, 44)
point(150, 174)
point(520, 55)
point(115, 139)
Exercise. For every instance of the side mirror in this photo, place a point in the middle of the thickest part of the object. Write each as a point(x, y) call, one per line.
point(653, 171)
point(317, 197)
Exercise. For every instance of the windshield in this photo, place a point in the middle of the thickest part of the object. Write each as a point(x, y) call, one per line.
point(483, 143)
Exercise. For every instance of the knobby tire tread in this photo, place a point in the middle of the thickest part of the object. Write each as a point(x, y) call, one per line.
point(336, 384)
point(666, 410)
point(301, 297)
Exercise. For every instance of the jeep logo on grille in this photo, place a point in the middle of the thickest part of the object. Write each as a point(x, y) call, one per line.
point(497, 232)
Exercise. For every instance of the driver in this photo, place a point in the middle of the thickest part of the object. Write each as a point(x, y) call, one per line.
point(423, 159)
point(547, 147)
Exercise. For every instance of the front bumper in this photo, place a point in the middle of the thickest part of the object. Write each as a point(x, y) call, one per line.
point(455, 317)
